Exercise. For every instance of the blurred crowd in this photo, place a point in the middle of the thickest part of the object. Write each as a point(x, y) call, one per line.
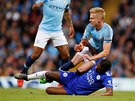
point(123, 49)
point(19, 24)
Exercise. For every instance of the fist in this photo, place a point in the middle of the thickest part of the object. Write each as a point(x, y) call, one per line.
point(78, 48)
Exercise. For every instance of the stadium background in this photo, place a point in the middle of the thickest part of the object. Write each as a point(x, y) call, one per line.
point(18, 27)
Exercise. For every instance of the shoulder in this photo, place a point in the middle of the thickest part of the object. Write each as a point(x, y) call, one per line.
point(108, 27)
point(107, 30)
point(89, 26)
point(107, 75)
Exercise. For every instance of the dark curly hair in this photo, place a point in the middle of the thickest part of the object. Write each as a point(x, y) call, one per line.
point(105, 65)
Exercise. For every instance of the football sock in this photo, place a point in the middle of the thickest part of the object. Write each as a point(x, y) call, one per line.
point(27, 65)
point(63, 61)
point(29, 61)
point(66, 66)
point(37, 75)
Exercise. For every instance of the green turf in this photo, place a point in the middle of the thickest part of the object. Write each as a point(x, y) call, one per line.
point(18, 94)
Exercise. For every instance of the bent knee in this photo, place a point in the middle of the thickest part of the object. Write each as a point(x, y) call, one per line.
point(80, 70)
point(48, 74)
point(77, 59)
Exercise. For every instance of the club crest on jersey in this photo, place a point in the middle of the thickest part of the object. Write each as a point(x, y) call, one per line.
point(65, 74)
point(98, 77)
point(100, 37)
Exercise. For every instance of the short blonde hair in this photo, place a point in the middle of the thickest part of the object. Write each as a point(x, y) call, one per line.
point(98, 10)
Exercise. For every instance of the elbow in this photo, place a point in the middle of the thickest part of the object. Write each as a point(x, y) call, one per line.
point(79, 71)
point(34, 7)
point(110, 93)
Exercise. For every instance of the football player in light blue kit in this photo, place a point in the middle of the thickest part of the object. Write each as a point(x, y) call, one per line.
point(50, 28)
point(99, 76)
point(95, 44)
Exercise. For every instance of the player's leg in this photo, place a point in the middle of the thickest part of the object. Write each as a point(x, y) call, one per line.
point(64, 53)
point(85, 67)
point(60, 42)
point(71, 63)
point(76, 60)
point(31, 59)
point(39, 44)
point(53, 76)
point(87, 64)
point(56, 91)
point(48, 75)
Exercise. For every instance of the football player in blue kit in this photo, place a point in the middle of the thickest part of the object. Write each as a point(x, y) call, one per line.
point(96, 42)
point(98, 77)
point(50, 28)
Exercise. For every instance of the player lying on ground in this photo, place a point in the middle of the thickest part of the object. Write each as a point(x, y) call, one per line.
point(99, 76)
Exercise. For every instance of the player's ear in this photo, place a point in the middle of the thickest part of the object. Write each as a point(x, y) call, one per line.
point(99, 20)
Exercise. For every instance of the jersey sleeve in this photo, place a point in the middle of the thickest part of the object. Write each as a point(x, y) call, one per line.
point(87, 32)
point(39, 1)
point(107, 82)
point(108, 35)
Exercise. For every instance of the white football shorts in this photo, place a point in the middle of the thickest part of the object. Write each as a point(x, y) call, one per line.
point(86, 51)
point(42, 37)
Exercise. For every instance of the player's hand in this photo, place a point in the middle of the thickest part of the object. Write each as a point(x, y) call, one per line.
point(86, 56)
point(71, 32)
point(78, 48)
point(84, 42)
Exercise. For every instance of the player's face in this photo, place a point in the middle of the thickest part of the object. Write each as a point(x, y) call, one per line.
point(94, 19)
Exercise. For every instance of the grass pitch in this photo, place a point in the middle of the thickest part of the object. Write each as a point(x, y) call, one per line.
point(19, 94)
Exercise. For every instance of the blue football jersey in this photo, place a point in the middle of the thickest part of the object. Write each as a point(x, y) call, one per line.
point(97, 38)
point(86, 83)
point(53, 11)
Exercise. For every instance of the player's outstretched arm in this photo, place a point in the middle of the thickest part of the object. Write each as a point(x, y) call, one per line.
point(109, 92)
point(104, 53)
point(36, 6)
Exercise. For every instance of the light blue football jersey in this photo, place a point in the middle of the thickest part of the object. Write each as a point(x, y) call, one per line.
point(53, 11)
point(86, 83)
point(97, 38)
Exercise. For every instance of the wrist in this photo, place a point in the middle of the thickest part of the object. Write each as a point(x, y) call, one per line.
point(93, 58)
point(84, 42)
point(81, 44)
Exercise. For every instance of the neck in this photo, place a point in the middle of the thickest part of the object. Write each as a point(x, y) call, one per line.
point(99, 26)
